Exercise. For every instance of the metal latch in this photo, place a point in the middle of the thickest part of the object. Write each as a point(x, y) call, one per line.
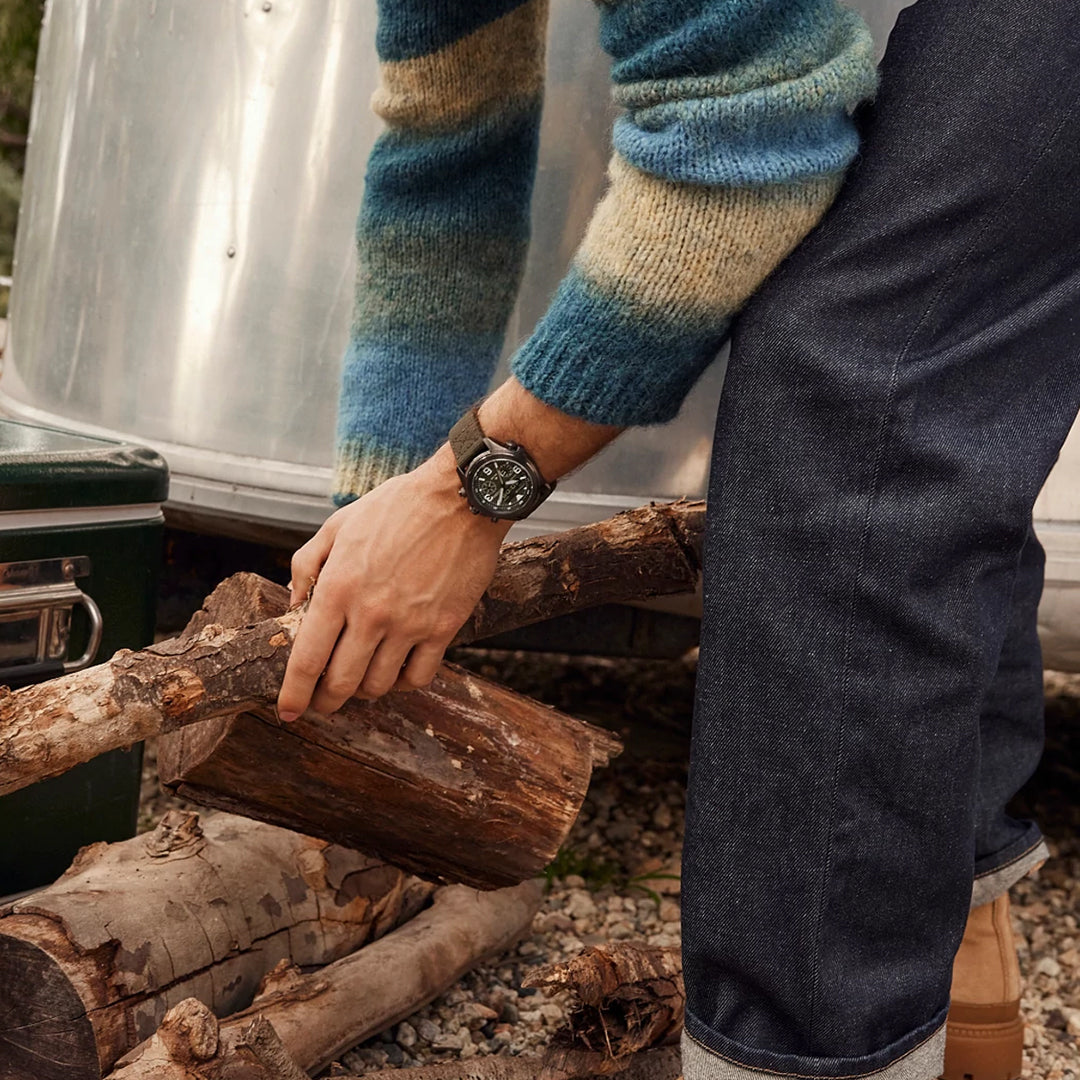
point(36, 601)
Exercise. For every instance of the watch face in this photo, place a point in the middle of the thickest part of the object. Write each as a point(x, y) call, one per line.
point(502, 486)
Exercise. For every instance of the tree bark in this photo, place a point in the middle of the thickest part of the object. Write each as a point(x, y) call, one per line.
point(629, 998)
point(89, 965)
point(653, 550)
point(318, 1016)
point(463, 781)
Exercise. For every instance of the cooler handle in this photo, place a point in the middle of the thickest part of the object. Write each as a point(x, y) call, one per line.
point(94, 614)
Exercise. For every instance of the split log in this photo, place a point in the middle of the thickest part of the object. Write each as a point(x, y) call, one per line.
point(665, 1064)
point(89, 965)
point(628, 998)
point(318, 1016)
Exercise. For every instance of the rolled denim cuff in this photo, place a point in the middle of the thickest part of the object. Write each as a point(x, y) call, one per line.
point(990, 885)
point(923, 1061)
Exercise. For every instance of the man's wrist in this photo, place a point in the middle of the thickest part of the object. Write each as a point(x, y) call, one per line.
point(441, 476)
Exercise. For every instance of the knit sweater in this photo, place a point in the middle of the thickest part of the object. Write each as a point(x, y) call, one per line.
point(734, 134)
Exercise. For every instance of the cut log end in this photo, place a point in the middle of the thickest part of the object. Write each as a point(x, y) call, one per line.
point(36, 996)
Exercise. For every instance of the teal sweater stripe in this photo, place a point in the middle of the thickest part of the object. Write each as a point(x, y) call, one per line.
point(409, 28)
point(735, 131)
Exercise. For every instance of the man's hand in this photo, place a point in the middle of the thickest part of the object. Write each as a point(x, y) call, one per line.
point(398, 573)
point(400, 570)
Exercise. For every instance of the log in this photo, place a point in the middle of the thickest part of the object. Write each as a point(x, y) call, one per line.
point(653, 550)
point(89, 965)
point(403, 778)
point(285, 775)
point(222, 672)
point(664, 1064)
point(190, 1045)
point(628, 998)
point(464, 781)
point(316, 1017)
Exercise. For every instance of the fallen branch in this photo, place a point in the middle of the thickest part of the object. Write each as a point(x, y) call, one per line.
point(90, 965)
point(318, 1016)
point(629, 998)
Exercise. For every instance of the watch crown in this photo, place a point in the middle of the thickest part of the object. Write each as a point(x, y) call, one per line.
point(474, 510)
point(461, 492)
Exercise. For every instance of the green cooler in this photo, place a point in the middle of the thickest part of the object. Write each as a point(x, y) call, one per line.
point(80, 545)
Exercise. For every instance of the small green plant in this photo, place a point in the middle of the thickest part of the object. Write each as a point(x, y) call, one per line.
point(595, 872)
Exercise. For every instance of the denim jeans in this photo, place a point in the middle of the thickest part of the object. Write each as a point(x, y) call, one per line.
point(869, 694)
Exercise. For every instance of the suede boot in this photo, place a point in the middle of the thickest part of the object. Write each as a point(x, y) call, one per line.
point(985, 1033)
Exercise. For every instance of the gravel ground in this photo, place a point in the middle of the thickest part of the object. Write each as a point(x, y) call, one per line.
point(617, 877)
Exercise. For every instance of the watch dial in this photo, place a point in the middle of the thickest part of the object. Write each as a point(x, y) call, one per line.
point(502, 486)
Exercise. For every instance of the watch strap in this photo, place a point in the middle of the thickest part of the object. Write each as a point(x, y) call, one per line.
point(467, 438)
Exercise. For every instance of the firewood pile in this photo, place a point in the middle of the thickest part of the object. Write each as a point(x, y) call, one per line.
point(352, 866)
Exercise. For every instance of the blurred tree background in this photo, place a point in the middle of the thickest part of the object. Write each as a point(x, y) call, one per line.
point(20, 24)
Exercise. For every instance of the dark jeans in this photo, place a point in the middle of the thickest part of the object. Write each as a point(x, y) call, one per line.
point(869, 693)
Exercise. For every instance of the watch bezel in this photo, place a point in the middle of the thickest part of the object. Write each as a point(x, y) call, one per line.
point(541, 489)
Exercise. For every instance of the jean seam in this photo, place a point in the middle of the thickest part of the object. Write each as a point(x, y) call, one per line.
point(808, 1076)
point(881, 441)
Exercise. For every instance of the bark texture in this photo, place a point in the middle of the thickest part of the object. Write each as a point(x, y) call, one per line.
point(89, 965)
point(629, 998)
point(316, 1017)
point(463, 781)
point(48, 728)
point(653, 550)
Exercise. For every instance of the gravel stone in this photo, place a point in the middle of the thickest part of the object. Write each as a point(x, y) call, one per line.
point(406, 1034)
point(428, 1031)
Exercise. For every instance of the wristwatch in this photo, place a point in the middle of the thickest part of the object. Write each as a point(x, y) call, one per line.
point(500, 481)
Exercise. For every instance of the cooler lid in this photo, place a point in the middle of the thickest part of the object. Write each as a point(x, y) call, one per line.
point(44, 468)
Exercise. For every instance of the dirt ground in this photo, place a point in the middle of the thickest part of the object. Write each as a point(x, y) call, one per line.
point(617, 877)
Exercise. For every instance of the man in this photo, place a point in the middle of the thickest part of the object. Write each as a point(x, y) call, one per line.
point(869, 687)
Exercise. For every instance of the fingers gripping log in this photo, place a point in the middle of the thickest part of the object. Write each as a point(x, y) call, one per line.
point(48, 728)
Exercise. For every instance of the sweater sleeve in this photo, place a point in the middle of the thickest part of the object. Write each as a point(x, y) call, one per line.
point(443, 226)
point(735, 135)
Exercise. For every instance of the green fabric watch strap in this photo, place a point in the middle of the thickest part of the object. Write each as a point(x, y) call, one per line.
point(467, 438)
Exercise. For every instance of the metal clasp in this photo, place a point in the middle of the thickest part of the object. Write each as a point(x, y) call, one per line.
point(36, 601)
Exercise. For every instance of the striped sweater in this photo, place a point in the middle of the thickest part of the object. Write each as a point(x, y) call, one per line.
point(734, 134)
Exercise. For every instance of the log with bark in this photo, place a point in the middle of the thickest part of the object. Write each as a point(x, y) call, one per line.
point(47, 728)
point(628, 998)
point(89, 965)
point(463, 758)
point(313, 1018)
point(652, 550)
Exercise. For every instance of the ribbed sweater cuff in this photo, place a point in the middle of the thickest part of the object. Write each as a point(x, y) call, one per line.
point(592, 358)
